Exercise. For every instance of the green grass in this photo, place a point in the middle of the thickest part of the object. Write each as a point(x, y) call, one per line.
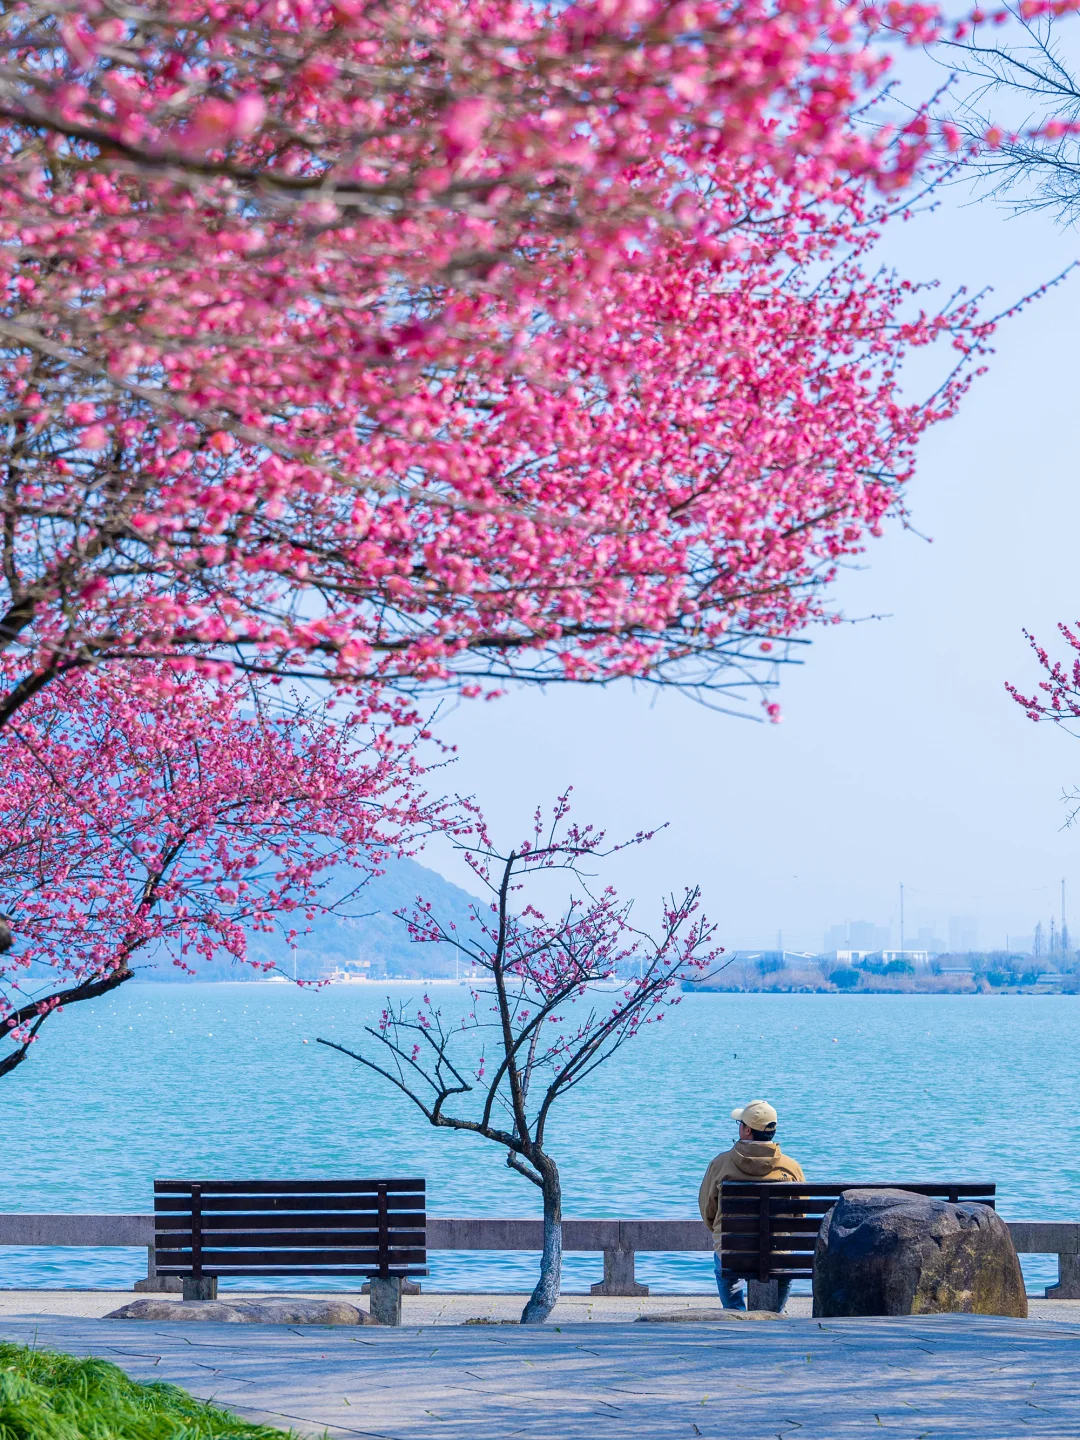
point(47, 1396)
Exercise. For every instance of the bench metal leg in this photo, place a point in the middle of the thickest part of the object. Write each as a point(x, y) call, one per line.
point(1068, 1283)
point(200, 1287)
point(762, 1295)
point(386, 1299)
point(618, 1275)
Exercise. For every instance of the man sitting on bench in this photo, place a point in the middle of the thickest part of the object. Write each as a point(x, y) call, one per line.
point(755, 1156)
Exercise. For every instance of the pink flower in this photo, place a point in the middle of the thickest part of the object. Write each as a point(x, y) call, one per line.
point(249, 112)
point(95, 437)
point(464, 126)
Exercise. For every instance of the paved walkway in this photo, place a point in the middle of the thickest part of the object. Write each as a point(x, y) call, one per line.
point(938, 1378)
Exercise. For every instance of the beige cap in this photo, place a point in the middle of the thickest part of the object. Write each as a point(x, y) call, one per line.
point(758, 1115)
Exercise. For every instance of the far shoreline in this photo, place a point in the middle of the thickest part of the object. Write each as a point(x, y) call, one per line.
point(440, 982)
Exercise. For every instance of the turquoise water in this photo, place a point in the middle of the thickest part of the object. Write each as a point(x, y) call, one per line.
point(226, 1080)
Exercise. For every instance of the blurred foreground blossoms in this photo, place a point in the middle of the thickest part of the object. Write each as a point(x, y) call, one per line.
point(447, 343)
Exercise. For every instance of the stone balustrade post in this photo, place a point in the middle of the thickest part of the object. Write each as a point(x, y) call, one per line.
point(155, 1283)
point(618, 1275)
point(1068, 1281)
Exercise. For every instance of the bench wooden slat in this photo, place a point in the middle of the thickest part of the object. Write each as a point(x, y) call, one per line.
point(748, 1249)
point(782, 1205)
point(334, 1204)
point(289, 1187)
point(294, 1239)
point(750, 1253)
point(342, 1220)
point(795, 1210)
point(213, 1255)
point(785, 1224)
point(303, 1271)
point(919, 1187)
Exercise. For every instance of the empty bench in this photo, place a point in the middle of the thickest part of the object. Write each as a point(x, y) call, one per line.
point(768, 1231)
point(367, 1229)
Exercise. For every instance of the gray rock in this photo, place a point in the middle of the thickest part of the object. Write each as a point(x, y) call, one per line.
point(247, 1312)
point(304, 1312)
point(702, 1317)
point(891, 1252)
point(178, 1310)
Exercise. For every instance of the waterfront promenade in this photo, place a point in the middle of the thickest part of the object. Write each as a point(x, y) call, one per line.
point(950, 1377)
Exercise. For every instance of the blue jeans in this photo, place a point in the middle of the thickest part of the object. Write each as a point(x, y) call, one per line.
point(732, 1289)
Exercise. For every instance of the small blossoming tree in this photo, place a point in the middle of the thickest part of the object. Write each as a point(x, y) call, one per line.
point(538, 1024)
point(134, 823)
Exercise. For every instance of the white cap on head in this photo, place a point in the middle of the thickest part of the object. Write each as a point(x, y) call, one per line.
point(758, 1115)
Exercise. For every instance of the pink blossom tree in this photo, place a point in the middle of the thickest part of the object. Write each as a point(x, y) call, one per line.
point(1056, 698)
point(552, 1001)
point(170, 826)
point(446, 344)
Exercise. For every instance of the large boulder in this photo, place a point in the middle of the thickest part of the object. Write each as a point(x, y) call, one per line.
point(891, 1252)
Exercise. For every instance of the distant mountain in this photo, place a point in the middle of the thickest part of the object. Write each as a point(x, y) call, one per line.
point(365, 939)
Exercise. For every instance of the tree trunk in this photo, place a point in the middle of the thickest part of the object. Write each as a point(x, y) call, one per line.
point(542, 1300)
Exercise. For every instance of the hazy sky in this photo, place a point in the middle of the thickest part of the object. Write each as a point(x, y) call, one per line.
point(900, 756)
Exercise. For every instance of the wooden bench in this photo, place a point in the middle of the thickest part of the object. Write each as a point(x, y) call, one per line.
point(768, 1230)
point(372, 1229)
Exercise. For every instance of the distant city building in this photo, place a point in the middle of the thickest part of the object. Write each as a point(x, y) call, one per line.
point(915, 957)
point(963, 934)
point(859, 935)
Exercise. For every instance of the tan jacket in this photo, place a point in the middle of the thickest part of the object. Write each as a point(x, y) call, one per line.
point(746, 1160)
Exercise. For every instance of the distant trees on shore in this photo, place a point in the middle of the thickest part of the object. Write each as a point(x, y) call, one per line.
point(945, 974)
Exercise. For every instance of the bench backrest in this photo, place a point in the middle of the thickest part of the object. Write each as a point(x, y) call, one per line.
point(290, 1227)
point(769, 1230)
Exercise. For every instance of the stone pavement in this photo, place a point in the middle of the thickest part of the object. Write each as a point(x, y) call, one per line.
point(951, 1377)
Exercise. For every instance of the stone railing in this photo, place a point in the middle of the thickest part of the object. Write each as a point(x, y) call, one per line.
point(617, 1240)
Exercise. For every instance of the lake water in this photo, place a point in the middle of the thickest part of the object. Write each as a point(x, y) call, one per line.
point(225, 1080)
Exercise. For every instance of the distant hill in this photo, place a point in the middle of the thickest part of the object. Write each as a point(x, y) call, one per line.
point(366, 939)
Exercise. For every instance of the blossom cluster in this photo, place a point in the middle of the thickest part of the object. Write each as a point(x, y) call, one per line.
point(136, 830)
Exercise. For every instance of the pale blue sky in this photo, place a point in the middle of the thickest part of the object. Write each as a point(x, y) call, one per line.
point(900, 756)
